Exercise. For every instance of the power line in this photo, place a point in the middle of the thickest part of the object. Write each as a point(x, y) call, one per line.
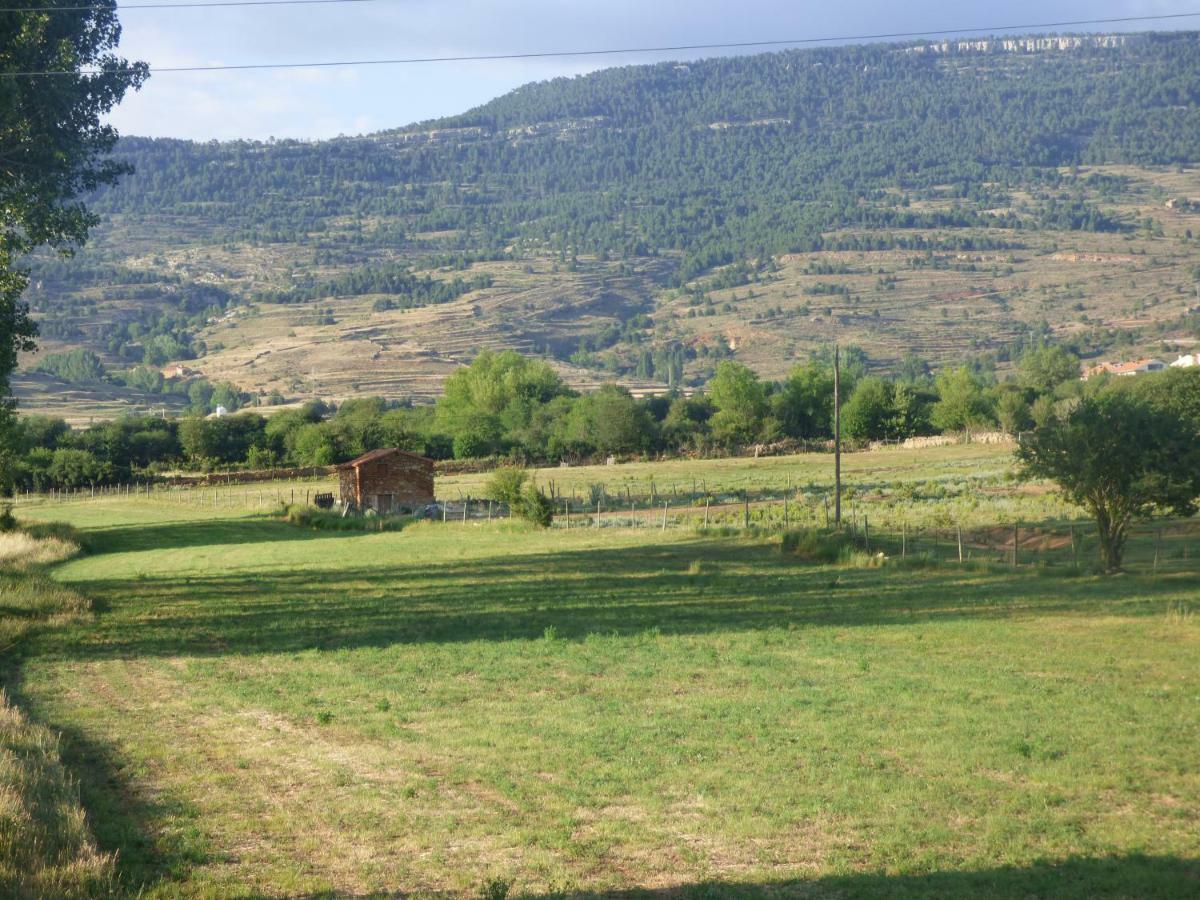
point(123, 6)
point(729, 45)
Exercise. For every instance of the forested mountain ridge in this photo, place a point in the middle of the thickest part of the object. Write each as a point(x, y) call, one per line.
point(615, 192)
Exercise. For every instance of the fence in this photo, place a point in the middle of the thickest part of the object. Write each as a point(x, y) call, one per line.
point(1158, 545)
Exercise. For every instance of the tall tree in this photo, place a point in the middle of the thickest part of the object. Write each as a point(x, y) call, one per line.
point(53, 146)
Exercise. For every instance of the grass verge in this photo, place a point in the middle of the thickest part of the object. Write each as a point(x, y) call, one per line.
point(46, 846)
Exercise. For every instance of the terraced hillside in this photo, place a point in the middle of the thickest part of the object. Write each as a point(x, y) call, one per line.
point(642, 223)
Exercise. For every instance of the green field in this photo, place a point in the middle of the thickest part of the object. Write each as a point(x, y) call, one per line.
point(253, 709)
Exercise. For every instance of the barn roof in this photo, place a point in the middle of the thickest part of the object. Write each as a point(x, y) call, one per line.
point(383, 453)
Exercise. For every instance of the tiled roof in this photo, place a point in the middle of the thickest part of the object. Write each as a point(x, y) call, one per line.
point(382, 453)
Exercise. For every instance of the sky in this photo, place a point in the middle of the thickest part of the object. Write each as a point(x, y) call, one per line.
point(322, 103)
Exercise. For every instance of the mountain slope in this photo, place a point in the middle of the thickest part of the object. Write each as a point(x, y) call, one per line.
point(585, 217)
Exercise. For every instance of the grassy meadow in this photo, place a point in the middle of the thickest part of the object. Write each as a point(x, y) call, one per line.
point(254, 709)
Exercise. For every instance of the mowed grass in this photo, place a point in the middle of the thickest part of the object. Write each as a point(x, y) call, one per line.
point(261, 710)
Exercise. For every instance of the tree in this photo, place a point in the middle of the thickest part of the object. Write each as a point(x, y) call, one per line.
point(867, 415)
point(1045, 368)
point(1013, 412)
point(53, 147)
point(961, 400)
point(1119, 458)
point(804, 405)
point(741, 403)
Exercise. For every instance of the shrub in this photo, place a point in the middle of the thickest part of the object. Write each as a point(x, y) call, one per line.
point(813, 545)
point(507, 485)
point(534, 506)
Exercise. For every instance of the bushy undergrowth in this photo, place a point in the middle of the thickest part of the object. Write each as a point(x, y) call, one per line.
point(512, 486)
point(327, 520)
point(814, 545)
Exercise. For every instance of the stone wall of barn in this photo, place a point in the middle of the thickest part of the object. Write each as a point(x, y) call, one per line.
point(408, 479)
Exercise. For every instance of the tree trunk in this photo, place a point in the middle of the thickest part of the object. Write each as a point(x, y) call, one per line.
point(1112, 536)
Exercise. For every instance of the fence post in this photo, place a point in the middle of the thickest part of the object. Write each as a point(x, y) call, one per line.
point(786, 518)
point(867, 533)
point(707, 501)
point(746, 510)
point(664, 524)
point(1157, 544)
point(597, 513)
point(959, 530)
point(466, 507)
point(567, 510)
point(1016, 543)
point(1074, 549)
point(904, 538)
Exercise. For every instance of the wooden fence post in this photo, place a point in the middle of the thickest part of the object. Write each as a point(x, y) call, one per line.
point(904, 539)
point(1074, 548)
point(746, 509)
point(664, 522)
point(1016, 543)
point(959, 530)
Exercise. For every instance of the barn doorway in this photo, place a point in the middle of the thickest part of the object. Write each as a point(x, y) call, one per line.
point(383, 503)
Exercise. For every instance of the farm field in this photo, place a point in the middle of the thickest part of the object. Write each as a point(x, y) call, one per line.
point(253, 709)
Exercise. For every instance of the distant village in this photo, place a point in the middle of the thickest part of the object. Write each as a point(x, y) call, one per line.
point(1140, 366)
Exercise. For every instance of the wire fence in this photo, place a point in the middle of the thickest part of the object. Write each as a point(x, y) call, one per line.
point(1159, 545)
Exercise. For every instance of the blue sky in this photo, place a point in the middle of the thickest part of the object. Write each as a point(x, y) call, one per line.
point(327, 102)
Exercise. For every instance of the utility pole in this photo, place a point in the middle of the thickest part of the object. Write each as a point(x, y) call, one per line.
point(837, 437)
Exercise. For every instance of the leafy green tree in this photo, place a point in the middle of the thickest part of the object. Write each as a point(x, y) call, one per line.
point(913, 369)
point(609, 420)
point(867, 415)
point(79, 365)
point(484, 405)
point(71, 468)
point(1045, 368)
point(226, 395)
point(804, 404)
point(162, 348)
point(1120, 458)
point(53, 146)
point(200, 393)
point(962, 402)
point(1012, 412)
point(686, 424)
point(1043, 411)
point(314, 445)
point(740, 400)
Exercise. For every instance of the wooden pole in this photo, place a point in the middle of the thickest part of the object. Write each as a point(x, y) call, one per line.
point(958, 529)
point(904, 538)
point(837, 438)
point(1074, 549)
point(707, 500)
point(745, 509)
point(664, 522)
point(1016, 543)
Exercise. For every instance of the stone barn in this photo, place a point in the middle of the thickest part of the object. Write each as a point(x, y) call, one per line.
point(387, 481)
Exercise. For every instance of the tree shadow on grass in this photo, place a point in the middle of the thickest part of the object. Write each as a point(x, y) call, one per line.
point(694, 587)
point(1166, 877)
point(124, 818)
point(203, 533)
